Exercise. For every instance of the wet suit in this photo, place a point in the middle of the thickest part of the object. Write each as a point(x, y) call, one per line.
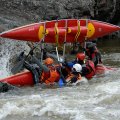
point(35, 70)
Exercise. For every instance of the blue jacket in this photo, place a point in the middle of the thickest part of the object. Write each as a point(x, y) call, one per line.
point(71, 63)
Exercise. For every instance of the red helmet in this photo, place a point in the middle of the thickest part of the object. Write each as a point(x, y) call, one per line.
point(48, 61)
point(80, 56)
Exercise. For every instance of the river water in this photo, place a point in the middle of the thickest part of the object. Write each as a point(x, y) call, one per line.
point(99, 99)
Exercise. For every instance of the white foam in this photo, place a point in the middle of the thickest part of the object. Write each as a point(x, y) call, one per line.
point(4, 70)
point(7, 109)
point(111, 87)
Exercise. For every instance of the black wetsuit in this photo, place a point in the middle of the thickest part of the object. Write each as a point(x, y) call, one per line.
point(35, 70)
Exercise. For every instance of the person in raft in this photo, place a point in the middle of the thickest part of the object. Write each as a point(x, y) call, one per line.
point(42, 73)
point(52, 75)
point(88, 67)
point(74, 77)
point(93, 53)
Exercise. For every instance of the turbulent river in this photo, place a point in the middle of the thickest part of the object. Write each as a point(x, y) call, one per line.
point(99, 99)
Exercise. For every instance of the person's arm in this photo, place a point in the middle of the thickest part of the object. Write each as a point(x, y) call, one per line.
point(68, 79)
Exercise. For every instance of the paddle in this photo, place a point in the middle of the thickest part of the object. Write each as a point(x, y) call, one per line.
point(62, 80)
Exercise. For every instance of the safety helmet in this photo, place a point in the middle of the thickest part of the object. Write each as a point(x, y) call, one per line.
point(77, 68)
point(80, 56)
point(48, 61)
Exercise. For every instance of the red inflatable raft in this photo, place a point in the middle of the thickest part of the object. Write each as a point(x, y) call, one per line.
point(26, 78)
point(60, 31)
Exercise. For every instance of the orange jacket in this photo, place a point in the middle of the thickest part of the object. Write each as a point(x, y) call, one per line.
point(51, 76)
point(70, 76)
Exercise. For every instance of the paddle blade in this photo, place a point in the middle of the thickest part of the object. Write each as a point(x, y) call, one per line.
point(61, 83)
point(18, 67)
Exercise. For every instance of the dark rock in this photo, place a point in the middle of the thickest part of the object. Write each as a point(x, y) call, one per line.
point(5, 87)
point(105, 10)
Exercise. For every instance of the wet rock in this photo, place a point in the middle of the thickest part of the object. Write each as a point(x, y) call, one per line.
point(5, 87)
point(105, 10)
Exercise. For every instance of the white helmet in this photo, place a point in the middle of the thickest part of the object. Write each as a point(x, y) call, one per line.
point(77, 68)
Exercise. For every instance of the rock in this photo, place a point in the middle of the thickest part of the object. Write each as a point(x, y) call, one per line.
point(5, 87)
point(26, 10)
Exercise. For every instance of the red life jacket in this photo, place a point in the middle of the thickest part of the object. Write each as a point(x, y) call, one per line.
point(92, 54)
point(91, 67)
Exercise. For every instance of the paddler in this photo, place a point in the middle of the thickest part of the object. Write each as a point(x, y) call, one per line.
point(88, 67)
point(42, 73)
point(75, 76)
point(53, 75)
point(93, 53)
point(49, 74)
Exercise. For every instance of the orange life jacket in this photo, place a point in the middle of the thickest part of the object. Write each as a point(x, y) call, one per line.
point(70, 76)
point(51, 76)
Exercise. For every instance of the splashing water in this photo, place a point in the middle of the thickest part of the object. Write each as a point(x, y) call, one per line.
point(9, 49)
point(4, 70)
point(4, 61)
